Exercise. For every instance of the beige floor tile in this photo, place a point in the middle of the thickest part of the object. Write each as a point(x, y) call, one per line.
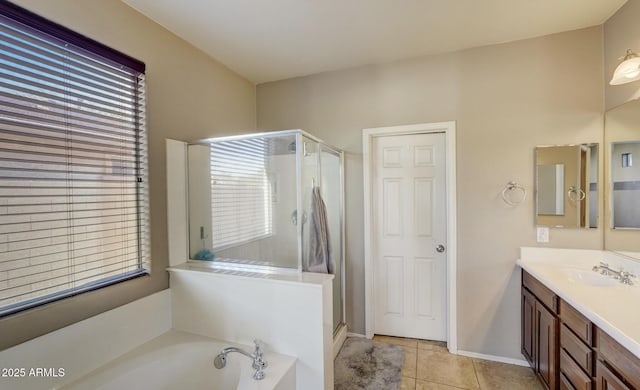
point(502, 376)
point(443, 367)
point(412, 343)
point(409, 368)
point(423, 385)
point(432, 345)
point(408, 349)
point(408, 383)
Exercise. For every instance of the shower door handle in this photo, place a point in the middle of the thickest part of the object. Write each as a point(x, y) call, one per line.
point(440, 248)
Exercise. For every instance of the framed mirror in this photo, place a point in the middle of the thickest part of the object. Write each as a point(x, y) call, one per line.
point(622, 179)
point(567, 186)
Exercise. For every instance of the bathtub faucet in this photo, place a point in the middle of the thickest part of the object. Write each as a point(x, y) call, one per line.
point(258, 365)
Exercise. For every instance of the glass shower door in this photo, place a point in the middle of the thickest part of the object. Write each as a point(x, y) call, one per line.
point(309, 176)
point(321, 167)
point(331, 190)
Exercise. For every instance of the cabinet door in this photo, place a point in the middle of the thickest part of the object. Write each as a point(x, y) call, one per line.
point(528, 333)
point(606, 380)
point(546, 354)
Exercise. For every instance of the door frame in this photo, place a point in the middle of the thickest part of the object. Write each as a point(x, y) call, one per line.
point(368, 136)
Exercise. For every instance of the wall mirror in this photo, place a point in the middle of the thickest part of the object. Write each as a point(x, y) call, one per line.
point(567, 186)
point(622, 179)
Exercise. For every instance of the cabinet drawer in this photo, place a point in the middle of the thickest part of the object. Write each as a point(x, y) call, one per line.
point(578, 323)
point(620, 359)
point(544, 295)
point(565, 384)
point(573, 373)
point(607, 380)
point(579, 351)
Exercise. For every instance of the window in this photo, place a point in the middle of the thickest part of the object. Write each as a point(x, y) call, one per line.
point(73, 174)
point(240, 192)
point(627, 160)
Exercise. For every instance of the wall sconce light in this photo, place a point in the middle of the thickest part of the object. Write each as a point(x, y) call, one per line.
point(628, 70)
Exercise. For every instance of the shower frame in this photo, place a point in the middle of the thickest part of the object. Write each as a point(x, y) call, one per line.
point(300, 153)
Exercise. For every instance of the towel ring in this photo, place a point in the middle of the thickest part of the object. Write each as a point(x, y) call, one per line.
point(513, 186)
point(575, 194)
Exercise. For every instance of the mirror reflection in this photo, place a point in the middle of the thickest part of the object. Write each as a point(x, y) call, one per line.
point(567, 186)
point(622, 157)
point(550, 189)
point(625, 185)
point(241, 195)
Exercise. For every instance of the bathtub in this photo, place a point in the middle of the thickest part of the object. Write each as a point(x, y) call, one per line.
point(180, 360)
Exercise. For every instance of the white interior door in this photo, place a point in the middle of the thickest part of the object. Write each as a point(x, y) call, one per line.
point(408, 235)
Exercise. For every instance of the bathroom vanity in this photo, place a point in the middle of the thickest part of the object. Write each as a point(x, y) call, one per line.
point(579, 328)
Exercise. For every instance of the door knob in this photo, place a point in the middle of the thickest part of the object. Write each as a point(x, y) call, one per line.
point(440, 248)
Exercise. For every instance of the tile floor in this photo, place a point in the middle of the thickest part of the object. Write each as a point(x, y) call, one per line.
point(429, 366)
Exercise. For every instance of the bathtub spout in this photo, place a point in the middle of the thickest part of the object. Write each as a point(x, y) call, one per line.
point(258, 365)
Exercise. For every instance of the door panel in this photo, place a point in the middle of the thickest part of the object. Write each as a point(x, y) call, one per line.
point(395, 277)
point(528, 332)
point(424, 279)
point(392, 208)
point(409, 222)
point(423, 207)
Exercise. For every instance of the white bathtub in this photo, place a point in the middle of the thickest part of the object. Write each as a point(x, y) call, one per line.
point(179, 360)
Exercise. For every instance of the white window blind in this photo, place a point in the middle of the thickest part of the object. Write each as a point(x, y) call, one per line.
point(241, 208)
point(73, 174)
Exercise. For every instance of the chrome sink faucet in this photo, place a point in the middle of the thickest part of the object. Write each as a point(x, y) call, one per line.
point(604, 269)
point(623, 276)
point(259, 364)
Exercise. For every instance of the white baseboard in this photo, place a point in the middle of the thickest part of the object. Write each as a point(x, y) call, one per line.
point(350, 334)
point(500, 359)
point(339, 339)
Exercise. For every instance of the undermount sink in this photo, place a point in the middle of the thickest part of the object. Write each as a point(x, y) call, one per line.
point(591, 278)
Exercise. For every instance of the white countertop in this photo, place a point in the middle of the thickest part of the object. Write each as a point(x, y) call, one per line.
point(612, 307)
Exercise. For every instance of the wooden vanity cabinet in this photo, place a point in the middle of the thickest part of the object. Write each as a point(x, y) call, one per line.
point(566, 350)
point(540, 330)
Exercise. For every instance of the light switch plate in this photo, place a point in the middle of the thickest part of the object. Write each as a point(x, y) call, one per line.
point(542, 234)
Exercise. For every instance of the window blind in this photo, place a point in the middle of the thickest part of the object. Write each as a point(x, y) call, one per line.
point(241, 208)
point(73, 175)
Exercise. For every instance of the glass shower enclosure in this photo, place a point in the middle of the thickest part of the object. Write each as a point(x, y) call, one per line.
point(272, 202)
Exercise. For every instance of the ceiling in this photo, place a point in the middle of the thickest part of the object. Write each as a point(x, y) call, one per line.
point(268, 40)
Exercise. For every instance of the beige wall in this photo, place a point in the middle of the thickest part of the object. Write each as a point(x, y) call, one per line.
point(621, 32)
point(506, 99)
point(190, 96)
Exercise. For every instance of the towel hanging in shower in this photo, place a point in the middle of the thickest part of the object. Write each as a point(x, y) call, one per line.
point(320, 257)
